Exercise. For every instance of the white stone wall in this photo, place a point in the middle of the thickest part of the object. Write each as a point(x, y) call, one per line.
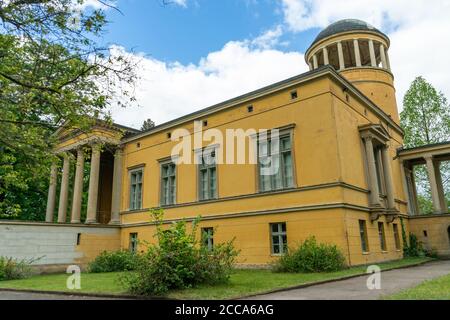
point(50, 244)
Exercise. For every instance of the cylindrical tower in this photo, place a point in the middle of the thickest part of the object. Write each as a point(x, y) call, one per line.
point(360, 53)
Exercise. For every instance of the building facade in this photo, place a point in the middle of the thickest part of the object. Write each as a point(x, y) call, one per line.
point(343, 174)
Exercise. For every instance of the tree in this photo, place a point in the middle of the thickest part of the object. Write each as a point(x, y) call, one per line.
point(426, 119)
point(51, 71)
point(426, 115)
point(147, 125)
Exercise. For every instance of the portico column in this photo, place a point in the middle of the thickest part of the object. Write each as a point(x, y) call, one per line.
point(388, 62)
point(51, 193)
point(93, 185)
point(64, 193)
point(315, 63)
point(406, 187)
point(310, 65)
point(374, 191)
point(357, 54)
point(388, 177)
point(373, 60)
point(341, 56)
point(443, 201)
point(117, 187)
point(78, 188)
point(325, 56)
point(433, 183)
point(383, 57)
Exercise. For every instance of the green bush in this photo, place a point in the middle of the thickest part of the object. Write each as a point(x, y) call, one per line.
point(113, 261)
point(179, 261)
point(11, 269)
point(311, 257)
point(414, 248)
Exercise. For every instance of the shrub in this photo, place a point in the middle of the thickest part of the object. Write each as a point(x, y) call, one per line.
point(11, 269)
point(179, 261)
point(414, 248)
point(113, 261)
point(311, 257)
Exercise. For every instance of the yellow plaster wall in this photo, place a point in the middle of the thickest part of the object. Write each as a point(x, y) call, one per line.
point(437, 238)
point(92, 244)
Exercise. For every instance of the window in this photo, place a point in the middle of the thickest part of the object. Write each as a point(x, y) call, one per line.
point(363, 235)
point(279, 238)
point(294, 94)
point(133, 242)
point(205, 123)
point(382, 236)
point(250, 108)
point(208, 175)
point(168, 183)
point(169, 135)
point(396, 236)
point(78, 239)
point(136, 189)
point(208, 238)
point(275, 164)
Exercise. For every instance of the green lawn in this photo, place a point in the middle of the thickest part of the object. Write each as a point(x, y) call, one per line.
point(242, 282)
point(437, 289)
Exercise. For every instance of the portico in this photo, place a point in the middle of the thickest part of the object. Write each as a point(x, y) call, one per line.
point(101, 148)
point(432, 156)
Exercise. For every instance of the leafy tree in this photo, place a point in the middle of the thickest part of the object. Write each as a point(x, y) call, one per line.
point(51, 71)
point(148, 124)
point(426, 119)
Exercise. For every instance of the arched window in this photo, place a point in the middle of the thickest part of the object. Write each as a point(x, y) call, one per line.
point(448, 233)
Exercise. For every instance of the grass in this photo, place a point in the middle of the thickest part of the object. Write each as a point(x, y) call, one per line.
point(242, 282)
point(437, 289)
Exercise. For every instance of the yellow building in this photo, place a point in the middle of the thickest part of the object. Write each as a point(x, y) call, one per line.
point(341, 168)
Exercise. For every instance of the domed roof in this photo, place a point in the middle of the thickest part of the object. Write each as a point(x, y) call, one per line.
point(345, 26)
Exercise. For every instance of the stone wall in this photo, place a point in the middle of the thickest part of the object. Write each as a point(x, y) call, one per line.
point(52, 245)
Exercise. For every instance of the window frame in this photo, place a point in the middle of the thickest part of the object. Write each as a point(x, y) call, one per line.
point(162, 177)
point(131, 172)
point(397, 242)
point(133, 242)
point(363, 236)
point(382, 236)
point(283, 248)
point(208, 167)
point(207, 234)
point(283, 133)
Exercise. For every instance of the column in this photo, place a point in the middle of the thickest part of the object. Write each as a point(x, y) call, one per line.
point(406, 191)
point(433, 183)
point(326, 61)
point(64, 193)
point(93, 185)
point(78, 188)
point(341, 56)
point(373, 184)
point(117, 187)
point(310, 65)
point(373, 60)
point(440, 186)
point(383, 57)
point(388, 177)
point(357, 53)
point(51, 193)
point(387, 60)
point(315, 63)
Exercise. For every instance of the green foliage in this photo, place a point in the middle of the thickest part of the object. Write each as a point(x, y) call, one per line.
point(413, 248)
point(114, 261)
point(11, 269)
point(426, 115)
point(179, 261)
point(311, 257)
point(51, 72)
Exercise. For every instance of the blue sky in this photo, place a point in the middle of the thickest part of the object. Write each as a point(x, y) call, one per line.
point(195, 53)
point(186, 34)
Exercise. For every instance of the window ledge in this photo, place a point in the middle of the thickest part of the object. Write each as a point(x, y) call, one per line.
point(366, 253)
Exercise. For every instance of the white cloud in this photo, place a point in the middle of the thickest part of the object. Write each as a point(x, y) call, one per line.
point(418, 31)
point(169, 90)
